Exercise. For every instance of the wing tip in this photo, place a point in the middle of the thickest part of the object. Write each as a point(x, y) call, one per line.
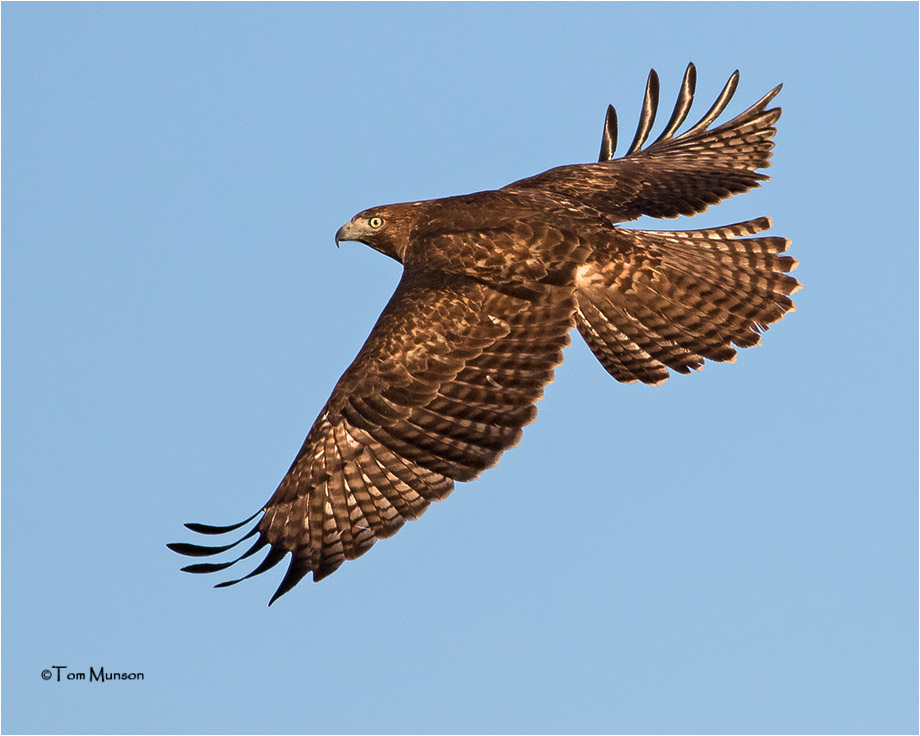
point(210, 529)
point(609, 138)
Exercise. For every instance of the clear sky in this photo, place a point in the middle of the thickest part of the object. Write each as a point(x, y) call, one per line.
point(734, 551)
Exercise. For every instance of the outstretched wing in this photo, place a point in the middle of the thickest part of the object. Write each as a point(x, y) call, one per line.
point(445, 382)
point(674, 176)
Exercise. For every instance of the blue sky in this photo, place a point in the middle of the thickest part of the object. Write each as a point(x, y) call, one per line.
point(734, 551)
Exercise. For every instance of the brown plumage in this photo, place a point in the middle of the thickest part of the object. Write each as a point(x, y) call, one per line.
point(492, 284)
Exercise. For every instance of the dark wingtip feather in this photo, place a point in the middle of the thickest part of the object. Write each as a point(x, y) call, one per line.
point(206, 567)
point(274, 556)
point(682, 106)
point(296, 571)
point(209, 529)
point(690, 77)
point(719, 105)
point(199, 550)
point(767, 98)
point(609, 139)
point(647, 116)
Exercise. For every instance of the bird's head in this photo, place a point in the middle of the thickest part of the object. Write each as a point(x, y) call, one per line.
point(385, 229)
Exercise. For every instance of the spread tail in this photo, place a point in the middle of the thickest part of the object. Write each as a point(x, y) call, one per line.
point(655, 300)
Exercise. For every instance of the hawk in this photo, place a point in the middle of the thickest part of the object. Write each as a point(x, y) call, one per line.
point(492, 285)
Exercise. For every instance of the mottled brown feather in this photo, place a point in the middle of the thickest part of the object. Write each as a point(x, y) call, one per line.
point(655, 300)
point(492, 284)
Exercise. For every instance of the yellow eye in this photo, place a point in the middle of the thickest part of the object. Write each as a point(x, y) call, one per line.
point(375, 222)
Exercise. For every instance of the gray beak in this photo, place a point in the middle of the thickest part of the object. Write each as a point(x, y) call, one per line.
point(345, 233)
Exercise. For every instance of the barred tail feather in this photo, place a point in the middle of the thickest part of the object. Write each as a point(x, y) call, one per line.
point(653, 301)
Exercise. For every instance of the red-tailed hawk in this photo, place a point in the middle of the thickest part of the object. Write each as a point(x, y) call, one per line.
point(493, 283)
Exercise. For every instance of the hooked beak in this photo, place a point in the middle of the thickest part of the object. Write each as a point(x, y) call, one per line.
point(345, 233)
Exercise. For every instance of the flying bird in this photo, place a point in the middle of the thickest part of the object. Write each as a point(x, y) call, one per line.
point(492, 285)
